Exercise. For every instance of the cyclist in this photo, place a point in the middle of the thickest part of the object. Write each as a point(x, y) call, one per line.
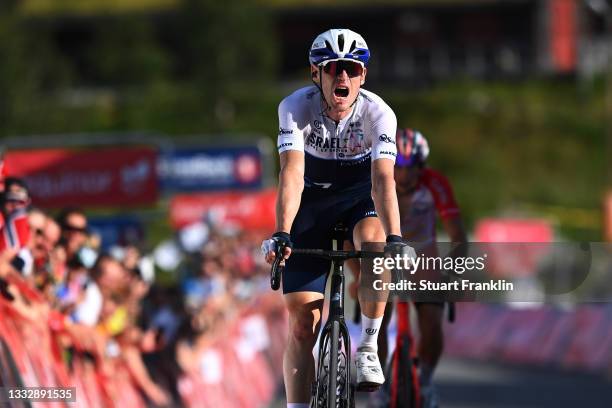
point(424, 195)
point(337, 153)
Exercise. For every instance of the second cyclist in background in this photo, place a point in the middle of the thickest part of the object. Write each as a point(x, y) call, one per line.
point(424, 195)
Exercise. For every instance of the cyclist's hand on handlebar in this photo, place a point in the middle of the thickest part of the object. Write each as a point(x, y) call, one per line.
point(270, 247)
point(396, 246)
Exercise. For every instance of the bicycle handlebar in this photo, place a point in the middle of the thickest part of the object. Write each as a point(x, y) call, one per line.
point(332, 255)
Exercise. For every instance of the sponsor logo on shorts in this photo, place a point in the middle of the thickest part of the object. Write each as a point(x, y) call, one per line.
point(282, 131)
point(389, 153)
point(371, 213)
point(280, 146)
point(371, 331)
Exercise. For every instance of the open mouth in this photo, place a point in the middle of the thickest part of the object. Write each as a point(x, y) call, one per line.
point(341, 91)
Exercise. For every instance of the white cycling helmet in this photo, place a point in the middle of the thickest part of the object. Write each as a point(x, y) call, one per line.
point(339, 44)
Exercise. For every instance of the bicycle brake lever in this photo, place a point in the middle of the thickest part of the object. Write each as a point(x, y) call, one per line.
point(276, 271)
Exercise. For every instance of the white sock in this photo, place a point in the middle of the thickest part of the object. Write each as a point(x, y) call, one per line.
point(369, 332)
point(298, 405)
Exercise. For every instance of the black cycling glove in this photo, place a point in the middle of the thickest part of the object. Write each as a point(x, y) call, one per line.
point(283, 240)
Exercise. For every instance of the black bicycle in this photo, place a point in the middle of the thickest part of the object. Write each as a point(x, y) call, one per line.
point(332, 387)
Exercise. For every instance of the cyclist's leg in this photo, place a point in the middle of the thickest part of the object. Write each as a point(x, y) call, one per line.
point(369, 230)
point(298, 363)
point(369, 371)
point(430, 349)
point(353, 266)
point(383, 338)
point(304, 281)
point(383, 346)
point(432, 338)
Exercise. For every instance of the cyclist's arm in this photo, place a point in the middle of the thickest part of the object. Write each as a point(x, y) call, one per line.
point(384, 151)
point(290, 145)
point(290, 187)
point(384, 195)
point(458, 237)
point(455, 230)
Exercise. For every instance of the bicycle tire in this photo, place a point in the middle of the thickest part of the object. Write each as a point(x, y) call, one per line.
point(319, 389)
point(332, 388)
point(404, 388)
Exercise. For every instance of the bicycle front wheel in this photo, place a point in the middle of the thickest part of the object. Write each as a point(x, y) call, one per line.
point(332, 387)
point(404, 390)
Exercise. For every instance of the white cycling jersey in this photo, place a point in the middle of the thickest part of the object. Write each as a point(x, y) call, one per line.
point(337, 154)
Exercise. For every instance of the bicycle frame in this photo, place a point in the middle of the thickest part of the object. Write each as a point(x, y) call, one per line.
point(404, 354)
point(335, 327)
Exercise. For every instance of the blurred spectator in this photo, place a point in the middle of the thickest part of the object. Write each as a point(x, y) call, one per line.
point(110, 275)
point(105, 311)
point(27, 254)
point(3, 172)
point(15, 231)
point(73, 223)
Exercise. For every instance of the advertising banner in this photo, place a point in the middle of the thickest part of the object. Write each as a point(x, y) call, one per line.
point(119, 230)
point(248, 210)
point(101, 177)
point(206, 169)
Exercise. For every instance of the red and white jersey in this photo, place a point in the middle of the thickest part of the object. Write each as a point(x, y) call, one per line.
point(14, 230)
point(418, 209)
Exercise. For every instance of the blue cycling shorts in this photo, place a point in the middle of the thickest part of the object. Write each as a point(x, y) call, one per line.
point(319, 212)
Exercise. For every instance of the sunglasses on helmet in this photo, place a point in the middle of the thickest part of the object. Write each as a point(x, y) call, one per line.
point(333, 68)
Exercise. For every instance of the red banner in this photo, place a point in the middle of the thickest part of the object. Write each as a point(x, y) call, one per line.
point(563, 33)
point(248, 210)
point(102, 177)
point(513, 230)
point(529, 237)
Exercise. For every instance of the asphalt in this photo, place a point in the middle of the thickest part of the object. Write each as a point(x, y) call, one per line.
point(472, 384)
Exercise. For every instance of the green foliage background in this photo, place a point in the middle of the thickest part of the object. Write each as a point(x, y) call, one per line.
point(531, 147)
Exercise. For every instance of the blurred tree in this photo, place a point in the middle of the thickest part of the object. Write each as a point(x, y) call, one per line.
point(124, 51)
point(225, 45)
point(30, 68)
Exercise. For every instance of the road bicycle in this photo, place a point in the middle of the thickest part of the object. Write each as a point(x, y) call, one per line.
point(332, 387)
point(403, 388)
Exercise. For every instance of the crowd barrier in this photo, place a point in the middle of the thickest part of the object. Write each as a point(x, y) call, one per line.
point(579, 338)
point(241, 369)
point(31, 355)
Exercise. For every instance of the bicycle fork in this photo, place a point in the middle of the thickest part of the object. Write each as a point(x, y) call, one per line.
point(335, 337)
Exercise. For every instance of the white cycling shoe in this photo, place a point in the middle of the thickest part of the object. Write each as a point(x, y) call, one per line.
point(369, 372)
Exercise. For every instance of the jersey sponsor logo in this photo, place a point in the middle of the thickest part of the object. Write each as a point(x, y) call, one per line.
point(386, 139)
point(389, 153)
point(280, 146)
point(282, 131)
point(347, 145)
point(321, 143)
